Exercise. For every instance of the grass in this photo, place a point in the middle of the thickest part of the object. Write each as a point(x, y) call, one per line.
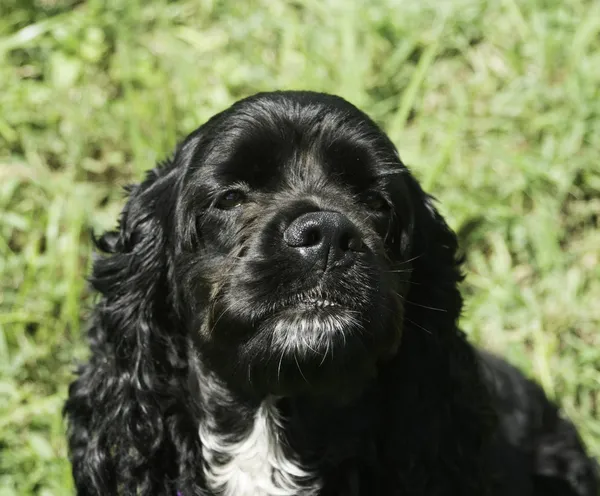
point(496, 105)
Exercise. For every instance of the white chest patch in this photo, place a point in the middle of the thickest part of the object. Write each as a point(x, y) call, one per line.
point(255, 465)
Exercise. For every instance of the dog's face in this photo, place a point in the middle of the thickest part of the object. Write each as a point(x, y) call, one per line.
point(291, 241)
point(284, 250)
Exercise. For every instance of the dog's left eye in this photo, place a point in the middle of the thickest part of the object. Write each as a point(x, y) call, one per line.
point(375, 201)
point(230, 199)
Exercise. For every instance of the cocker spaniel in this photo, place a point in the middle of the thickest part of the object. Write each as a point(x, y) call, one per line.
point(278, 316)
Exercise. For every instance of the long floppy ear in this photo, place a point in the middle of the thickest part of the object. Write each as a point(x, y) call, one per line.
point(444, 409)
point(127, 409)
point(436, 266)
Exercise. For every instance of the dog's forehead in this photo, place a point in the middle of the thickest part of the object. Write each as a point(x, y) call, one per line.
point(267, 144)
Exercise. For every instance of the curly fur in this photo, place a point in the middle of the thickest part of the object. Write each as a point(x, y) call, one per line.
point(191, 367)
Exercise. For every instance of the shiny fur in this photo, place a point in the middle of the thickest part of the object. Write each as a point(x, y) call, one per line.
point(222, 364)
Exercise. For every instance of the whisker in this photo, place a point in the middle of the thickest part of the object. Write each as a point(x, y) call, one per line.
point(300, 370)
point(409, 282)
point(425, 306)
point(279, 366)
point(416, 257)
point(406, 300)
point(418, 325)
point(305, 343)
point(325, 354)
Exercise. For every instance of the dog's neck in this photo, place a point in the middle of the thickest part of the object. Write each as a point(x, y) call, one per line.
point(244, 447)
point(270, 446)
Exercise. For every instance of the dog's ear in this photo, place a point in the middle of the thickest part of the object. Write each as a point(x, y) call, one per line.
point(137, 247)
point(129, 400)
point(436, 266)
point(450, 416)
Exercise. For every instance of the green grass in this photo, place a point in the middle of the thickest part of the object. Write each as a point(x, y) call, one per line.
point(496, 105)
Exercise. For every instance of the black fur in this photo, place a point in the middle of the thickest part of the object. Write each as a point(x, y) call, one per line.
point(532, 435)
point(188, 326)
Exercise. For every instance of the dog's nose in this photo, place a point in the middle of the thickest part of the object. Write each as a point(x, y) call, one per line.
point(324, 238)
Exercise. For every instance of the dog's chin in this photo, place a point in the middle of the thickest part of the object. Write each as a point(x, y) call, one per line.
point(322, 349)
point(311, 330)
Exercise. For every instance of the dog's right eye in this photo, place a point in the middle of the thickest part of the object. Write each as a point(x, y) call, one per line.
point(375, 201)
point(230, 199)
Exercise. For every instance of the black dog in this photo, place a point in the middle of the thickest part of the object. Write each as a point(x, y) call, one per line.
point(279, 317)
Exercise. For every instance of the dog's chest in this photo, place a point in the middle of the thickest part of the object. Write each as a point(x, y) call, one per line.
point(255, 465)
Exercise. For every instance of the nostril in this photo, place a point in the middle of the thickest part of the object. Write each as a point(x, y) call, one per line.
point(355, 244)
point(349, 242)
point(303, 233)
point(313, 236)
point(345, 240)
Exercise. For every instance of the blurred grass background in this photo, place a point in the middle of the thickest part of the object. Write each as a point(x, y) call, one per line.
point(495, 104)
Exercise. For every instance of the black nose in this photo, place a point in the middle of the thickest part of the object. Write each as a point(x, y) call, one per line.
point(324, 239)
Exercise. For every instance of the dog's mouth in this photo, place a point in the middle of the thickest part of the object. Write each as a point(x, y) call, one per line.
point(312, 300)
point(316, 303)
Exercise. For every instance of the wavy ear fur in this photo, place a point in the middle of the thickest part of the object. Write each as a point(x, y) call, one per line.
point(444, 412)
point(127, 424)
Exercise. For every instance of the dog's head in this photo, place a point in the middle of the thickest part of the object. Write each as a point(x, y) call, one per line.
point(284, 235)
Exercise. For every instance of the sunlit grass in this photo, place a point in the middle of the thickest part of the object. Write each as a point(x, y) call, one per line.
point(495, 105)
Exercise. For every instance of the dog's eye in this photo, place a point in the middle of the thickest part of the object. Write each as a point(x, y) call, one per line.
point(375, 201)
point(231, 199)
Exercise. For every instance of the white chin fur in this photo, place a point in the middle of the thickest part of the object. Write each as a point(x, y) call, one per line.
point(312, 330)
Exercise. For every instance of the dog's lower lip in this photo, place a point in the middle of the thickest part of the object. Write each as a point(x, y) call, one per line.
point(319, 303)
point(312, 302)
